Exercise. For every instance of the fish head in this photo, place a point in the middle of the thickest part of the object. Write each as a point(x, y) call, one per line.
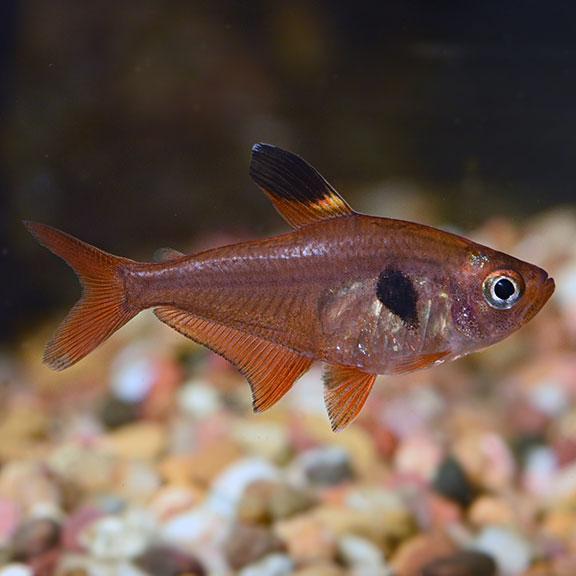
point(494, 295)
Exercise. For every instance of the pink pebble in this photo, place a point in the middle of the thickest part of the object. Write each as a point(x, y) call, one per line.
point(526, 419)
point(565, 450)
point(443, 512)
point(499, 459)
point(10, 516)
point(45, 564)
point(418, 456)
point(76, 524)
point(167, 376)
point(385, 441)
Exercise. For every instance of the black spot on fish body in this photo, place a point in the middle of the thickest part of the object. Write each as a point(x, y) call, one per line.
point(396, 291)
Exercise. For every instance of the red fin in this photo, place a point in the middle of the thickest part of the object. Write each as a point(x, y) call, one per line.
point(345, 392)
point(166, 254)
point(270, 369)
point(420, 362)
point(101, 310)
point(297, 190)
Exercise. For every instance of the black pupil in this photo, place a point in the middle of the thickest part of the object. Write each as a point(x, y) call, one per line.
point(504, 288)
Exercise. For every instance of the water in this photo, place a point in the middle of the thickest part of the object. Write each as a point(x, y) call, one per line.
point(130, 125)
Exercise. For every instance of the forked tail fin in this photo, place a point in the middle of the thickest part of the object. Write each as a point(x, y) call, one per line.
point(101, 310)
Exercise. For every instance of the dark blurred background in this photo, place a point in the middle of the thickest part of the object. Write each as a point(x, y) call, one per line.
point(129, 124)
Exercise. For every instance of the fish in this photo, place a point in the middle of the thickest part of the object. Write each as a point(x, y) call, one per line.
point(365, 295)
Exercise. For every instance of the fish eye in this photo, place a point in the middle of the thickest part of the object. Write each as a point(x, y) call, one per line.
point(503, 288)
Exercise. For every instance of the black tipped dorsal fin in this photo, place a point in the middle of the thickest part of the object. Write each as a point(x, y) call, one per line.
point(298, 191)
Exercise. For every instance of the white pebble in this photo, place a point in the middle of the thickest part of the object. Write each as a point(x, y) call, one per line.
point(132, 375)
point(358, 552)
point(511, 551)
point(375, 499)
point(172, 500)
point(566, 286)
point(139, 481)
point(540, 470)
point(16, 570)
point(229, 487)
point(198, 399)
point(273, 565)
point(563, 483)
point(114, 538)
point(307, 396)
point(196, 525)
point(413, 412)
point(550, 398)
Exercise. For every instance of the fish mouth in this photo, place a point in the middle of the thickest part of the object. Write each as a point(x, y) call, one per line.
point(548, 288)
point(540, 295)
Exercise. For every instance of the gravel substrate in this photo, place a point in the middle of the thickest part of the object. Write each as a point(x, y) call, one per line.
point(146, 458)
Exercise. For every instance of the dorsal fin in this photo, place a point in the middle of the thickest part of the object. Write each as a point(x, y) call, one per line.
point(297, 190)
point(345, 392)
point(166, 254)
point(270, 369)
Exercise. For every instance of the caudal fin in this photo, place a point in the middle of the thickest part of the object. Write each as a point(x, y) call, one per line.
point(101, 310)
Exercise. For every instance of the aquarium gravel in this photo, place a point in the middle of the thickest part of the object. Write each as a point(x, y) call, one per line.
point(146, 458)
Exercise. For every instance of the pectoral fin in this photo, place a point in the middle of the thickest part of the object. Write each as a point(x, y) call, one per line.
point(297, 190)
point(270, 369)
point(345, 392)
point(420, 362)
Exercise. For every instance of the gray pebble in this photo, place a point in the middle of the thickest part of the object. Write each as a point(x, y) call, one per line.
point(467, 563)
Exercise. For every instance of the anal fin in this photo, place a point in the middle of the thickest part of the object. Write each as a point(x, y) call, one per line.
point(345, 392)
point(271, 369)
